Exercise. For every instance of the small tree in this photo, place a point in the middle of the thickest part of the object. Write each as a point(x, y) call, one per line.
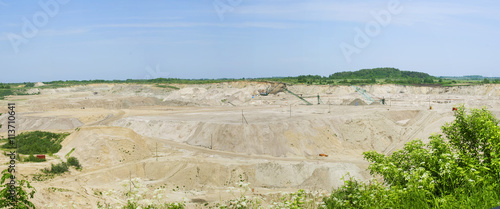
point(73, 161)
point(22, 196)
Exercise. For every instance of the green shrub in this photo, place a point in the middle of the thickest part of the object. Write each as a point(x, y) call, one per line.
point(459, 171)
point(5, 92)
point(29, 85)
point(32, 158)
point(73, 161)
point(63, 167)
point(22, 193)
point(57, 168)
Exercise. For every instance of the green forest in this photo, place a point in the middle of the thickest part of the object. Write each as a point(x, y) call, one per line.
point(380, 73)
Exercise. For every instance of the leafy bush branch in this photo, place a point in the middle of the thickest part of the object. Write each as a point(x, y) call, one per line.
point(460, 170)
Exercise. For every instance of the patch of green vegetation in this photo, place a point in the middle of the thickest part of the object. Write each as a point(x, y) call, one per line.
point(17, 197)
point(13, 89)
point(4, 86)
point(460, 170)
point(166, 86)
point(5, 92)
point(63, 167)
point(97, 193)
point(38, 142)
point(57, 168)
point(60, 83)
point(370, 76)
point(32, 158)
point(69, 153)
point(380, 73)
point(43, 176)
point(73, 161)
point(29, 85)
point(54, 189)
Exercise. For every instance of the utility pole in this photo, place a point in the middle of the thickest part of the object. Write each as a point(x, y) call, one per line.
point(243, 119)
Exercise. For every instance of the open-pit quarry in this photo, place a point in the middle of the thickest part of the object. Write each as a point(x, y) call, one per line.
point(200, 140)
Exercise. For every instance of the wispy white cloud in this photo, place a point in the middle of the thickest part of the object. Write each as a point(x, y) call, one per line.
point(65, 32)
point(278, 25)
point(142, 18)
point(139, 41)
point(88, 29)
point(442, 13)
point(311, 10)
point(431, 12)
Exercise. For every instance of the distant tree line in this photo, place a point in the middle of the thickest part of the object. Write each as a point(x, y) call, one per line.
point(144, 81)
point(380, 73)
point(365, 76)
point(470, 77)
point(4, 86)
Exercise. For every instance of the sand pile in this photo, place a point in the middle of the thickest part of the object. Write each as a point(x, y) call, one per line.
point(105, 146)
point(390, 89)
point(236, 93)
point(25, 122)
point(357, 102)
point(112, 89)
point(105, 102)
point(37, 84)
point(295, 138)
point(347, 134)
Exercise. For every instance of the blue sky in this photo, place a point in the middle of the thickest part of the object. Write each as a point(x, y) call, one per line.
point(81, 40)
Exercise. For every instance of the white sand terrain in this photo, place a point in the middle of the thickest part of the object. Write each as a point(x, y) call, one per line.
point(201, 139)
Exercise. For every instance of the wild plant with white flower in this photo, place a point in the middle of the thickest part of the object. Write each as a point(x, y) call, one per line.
point(135, 194)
